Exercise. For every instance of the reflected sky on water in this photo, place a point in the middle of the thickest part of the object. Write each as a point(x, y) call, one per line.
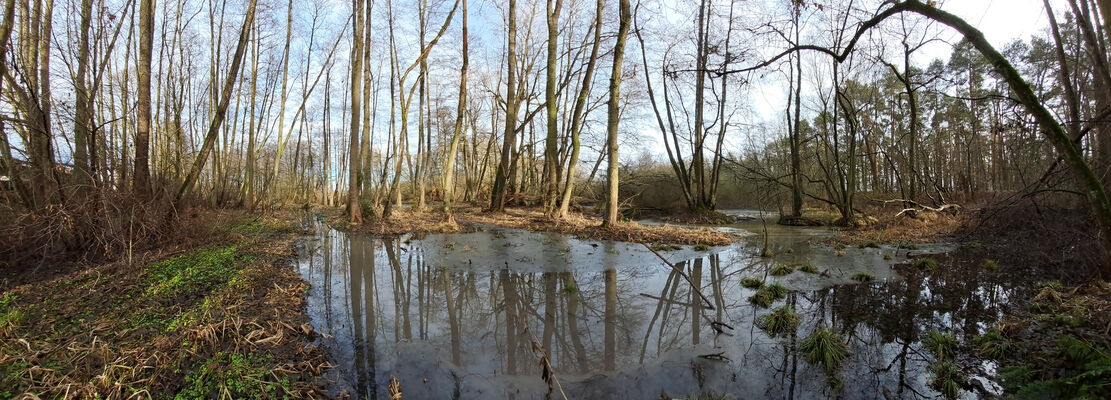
point(474, 315)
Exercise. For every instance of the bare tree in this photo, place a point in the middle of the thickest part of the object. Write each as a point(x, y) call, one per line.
point(613, 114)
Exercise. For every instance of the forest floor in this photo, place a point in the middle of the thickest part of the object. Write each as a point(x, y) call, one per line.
point(533, 219)
point(216, 312)
point(1054, 340)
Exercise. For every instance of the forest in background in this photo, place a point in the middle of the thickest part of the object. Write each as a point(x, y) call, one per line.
point(119, 113)
point(167, 169)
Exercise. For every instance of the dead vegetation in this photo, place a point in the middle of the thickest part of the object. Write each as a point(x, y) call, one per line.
point(401, 222)
point(98, 225)
point(223, 319)
point(531, 219)
point(896, 224)
point(592, 229)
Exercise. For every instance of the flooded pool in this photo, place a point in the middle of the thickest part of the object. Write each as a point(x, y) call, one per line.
point(491, 313)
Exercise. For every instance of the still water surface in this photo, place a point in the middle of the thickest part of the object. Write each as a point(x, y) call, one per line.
point(474, 315)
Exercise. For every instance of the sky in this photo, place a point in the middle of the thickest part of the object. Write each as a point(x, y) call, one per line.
point(1002, 21)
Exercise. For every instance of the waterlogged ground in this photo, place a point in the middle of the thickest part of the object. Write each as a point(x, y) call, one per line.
point(466, 315)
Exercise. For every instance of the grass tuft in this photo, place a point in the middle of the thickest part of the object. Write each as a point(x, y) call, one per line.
point(781, 269)
point(863, 277)
point(947, 379)
point(926, 263)
point(825, 348)
point(943, 345)
point(809, 268)
point(777, 290)
point(990, 265)
point(992, 344)
point(765, 296)
point(701, 247)
point(761, 298)
point(781, 321)
point(752, 282)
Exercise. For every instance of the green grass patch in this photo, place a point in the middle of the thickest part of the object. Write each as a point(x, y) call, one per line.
point(765, 296)
point(871, 244)
point(701, 247)
point(752, 282)
point(948, 379)
point(990, 265)
point(781, 269)
point(863, 277)
point(199, 271)
point(777, 290)
point(665, 247)
point(781, 321)
point(807, 267)
point(992, 344)
point(239, 376)
point(908, 246)
point(761, 298)
point(825, 348)
point(926, 263)
point(943, 345)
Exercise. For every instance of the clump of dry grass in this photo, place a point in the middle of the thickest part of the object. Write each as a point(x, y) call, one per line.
point(592, 229)
point(923, 226)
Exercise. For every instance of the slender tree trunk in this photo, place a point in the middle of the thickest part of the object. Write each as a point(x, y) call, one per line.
point(613, 110)
point(577, 116)
point(551, 158)
point(354, 210)
point(82, 118)
point(449, 167)
point(509, 140)
point(142, 108)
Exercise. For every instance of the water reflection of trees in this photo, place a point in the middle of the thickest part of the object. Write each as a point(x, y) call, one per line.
point(386, 292)
point(379, 293)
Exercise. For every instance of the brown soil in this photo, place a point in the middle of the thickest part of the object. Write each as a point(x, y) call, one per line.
point(225, 315)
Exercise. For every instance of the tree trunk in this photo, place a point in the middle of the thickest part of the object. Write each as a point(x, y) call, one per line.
point(577, 116)
point(354, 210)
point(551, 158)
point(82, 118)
point(509, 140)
point(142, 108)
point(613, 111)
point(449, 167)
